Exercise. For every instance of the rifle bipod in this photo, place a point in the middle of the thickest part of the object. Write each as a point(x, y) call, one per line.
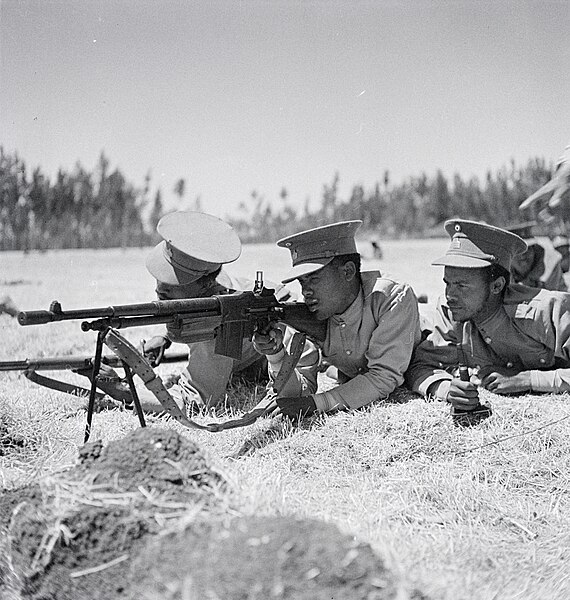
point(101, 335)
point(133, 362)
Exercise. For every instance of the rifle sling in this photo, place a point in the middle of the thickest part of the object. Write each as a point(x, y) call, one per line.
point(289, 363)
point(60, 386)
point(140, 365)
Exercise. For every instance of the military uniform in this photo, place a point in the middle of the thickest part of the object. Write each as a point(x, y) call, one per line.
point(195, 245)
point(530, 331)
point(371, 342)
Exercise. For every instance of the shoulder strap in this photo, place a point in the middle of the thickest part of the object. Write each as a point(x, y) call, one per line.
point(289, 363)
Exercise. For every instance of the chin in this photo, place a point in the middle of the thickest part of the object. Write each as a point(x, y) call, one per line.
point(460, 316)
point(321, 315)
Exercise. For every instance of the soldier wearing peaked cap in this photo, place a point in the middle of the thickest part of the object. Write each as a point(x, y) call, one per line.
point(189, 263)
point(372, 323)
point(540, 265)
point(515, 338)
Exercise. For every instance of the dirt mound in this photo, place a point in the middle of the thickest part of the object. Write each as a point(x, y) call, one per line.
point(147, 517)
point(101, 511)
point(262, 558)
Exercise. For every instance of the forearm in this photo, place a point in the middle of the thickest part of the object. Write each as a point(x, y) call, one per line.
point(359, 391)
point(303, 378)
point(556, 381)
point(439, 390)
point(426, 381)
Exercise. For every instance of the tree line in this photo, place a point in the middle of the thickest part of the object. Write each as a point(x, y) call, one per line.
point(417, 207)
point(82, 209)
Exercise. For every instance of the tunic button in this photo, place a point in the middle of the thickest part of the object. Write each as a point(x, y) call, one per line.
point(349, 351)
point(509, 364)
point(488, 340)
point(343, 325)
point(542, 361)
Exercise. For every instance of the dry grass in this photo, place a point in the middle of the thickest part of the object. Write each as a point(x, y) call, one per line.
point(462, 513)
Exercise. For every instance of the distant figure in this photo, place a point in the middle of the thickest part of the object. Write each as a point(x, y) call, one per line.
point(562, 246)
point(376, 250)
point(7, 306)
point(540, 265)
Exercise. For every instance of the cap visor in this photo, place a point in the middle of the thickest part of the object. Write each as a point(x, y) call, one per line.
point(465, 262)
point(163, 271)
point(306, 269)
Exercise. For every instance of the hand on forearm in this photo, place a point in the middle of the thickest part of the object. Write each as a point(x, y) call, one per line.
point(501, 381)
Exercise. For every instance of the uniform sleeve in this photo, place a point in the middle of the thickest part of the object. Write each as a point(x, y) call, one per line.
point(434, 355)
point(388, 355)
point(207, 374)
point(303, 379)
point(556, 380)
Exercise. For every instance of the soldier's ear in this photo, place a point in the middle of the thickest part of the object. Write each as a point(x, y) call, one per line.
point(497, 285)
point(349, 270)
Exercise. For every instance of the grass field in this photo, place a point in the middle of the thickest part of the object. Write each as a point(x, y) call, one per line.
point(460, 513)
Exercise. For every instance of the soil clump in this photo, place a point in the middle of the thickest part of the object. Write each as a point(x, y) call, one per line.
point(147, 517)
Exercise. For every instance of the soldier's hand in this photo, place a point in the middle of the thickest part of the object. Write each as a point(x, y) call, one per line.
point(270, 342)
point(154, 349)
point(502, 381)
point(463, 394)
point(294, 408)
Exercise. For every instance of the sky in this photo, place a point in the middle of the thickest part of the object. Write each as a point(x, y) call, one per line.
point(235, 96)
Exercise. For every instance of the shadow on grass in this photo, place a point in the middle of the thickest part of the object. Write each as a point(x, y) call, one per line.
point(282, 427)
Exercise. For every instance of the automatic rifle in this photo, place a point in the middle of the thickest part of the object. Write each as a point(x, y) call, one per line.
point(227, 319)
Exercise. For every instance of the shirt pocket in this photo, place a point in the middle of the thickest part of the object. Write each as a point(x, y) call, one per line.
point(532, 353)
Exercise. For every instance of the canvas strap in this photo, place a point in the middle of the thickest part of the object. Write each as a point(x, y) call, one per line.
point(289, 363)
point(142, 367)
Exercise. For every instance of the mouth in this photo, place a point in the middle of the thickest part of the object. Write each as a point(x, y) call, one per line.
point(312, 305)
point(458, 313)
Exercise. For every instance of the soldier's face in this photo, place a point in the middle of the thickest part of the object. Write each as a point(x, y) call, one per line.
point(468, 293)
point(327, 292)
point(165, 291)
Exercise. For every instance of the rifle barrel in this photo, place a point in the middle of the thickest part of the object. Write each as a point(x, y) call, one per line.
point(210, 306)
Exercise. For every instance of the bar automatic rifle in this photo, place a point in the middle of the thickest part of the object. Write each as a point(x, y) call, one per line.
point(228, 319)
